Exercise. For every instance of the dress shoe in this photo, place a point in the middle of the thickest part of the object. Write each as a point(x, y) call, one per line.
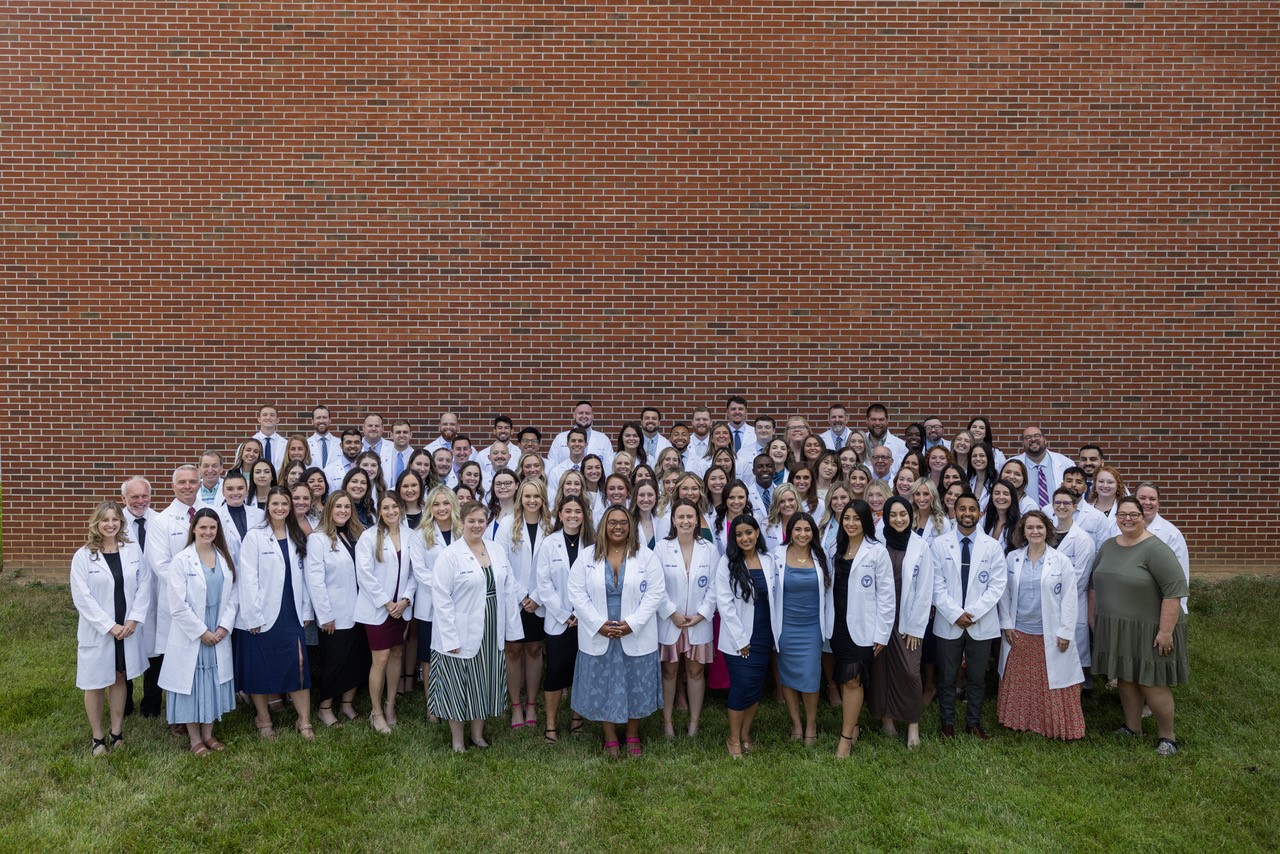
point(977, 732)
point(948, 731)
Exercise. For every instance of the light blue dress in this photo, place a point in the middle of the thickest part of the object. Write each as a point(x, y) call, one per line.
point(616, 687)
point(800, 642)
point(209, 699)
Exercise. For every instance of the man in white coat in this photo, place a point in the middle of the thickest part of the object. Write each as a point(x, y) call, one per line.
point(878, 432)
point(273, 444)
point(597, 443)
point(325, 446)
point(838, 434)
point(576, 451)
point(765, 427)
point(210, 492)
point(448, 430)
point(138, 516)
point(651, 438)
point(502, 427)
point(396, 458)
point(167, 536)
point(969, 579)
point(352, 445)
point(735, 414)
point(1148, 495)
point(1044, 467)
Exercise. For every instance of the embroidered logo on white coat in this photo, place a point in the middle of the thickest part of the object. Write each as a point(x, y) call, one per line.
point(984, 576)
point(866, 581)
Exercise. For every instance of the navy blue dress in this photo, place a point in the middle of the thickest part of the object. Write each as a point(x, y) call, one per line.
point(746, 675)
point(275, 661)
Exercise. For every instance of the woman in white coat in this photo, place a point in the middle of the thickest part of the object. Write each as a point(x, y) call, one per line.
point(271, 647)
point(475, 614)
point(615, 592)
point(440, 526)
point(519, 535)
point(111, 588)
point(1040, 689)
point(198, 671)
point(237, 519)
point(896, 690)
point(684, 616)
point(340, 661)
point(1074, 542)
point(744, 585)
point(570, 537)
point(861, 609)
point(800, 615)
point(384, 572)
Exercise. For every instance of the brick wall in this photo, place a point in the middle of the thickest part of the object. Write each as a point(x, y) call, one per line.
point(1051, 212)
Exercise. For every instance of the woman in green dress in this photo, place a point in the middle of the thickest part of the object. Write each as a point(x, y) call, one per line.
point(1140, 631)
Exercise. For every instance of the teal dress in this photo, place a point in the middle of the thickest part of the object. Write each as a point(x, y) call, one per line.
point(800, 641)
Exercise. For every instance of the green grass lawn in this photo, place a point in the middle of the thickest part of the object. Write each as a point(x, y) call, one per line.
point(352, 789)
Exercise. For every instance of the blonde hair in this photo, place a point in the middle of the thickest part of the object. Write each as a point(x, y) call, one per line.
point(94, 539)
point(300, 439)
point(936, 511)
point(544, 515)
point(381, 526)
point(826, 505)
point(427, 524)
point(775, 506)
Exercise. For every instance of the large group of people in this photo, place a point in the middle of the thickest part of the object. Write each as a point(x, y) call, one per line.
point(636, 573)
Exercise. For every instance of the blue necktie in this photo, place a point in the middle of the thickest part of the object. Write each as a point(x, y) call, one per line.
point(324, 452)
point(767, 497)
point(266, 449)
point(737, 440)
point(399, 465)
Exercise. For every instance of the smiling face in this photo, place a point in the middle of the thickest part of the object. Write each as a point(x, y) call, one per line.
point(978, 460)
point(1105, 486)
point(504, 486)
point(646, 497)
point(615, 491)
point(358, 486)
point(342, 510)
point(802, 534)
point(802, 480)
point(1035, 531)
point(571, 517)
point(262, 474)
point(473, 525)
point(899, 518)
point(1001, 497)
point(787, 504)
point(206, 530)
point(967, 513)
point(442, 511)
point(389, 512)
point(902, 483)
point(279, 507)
point(186, 483)
point(736, 501)
point(109, 525)
point(137, 495)
point(684, 520)
point(617, 527)
point(851, 524)
point(1013, 474)
point(234, 491)
point(746, 536)
point(301, 500)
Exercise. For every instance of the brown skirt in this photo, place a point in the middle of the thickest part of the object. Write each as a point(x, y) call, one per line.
point(1027, 703)
point(896, 690)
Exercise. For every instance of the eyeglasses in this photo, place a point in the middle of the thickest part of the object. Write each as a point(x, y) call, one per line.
point(1129, 516)
point(617, 523)
point(1064, 502)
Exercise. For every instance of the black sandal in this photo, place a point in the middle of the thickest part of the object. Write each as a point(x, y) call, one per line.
point(547, 733)
point(98, 742)
point(117, 738)
point(575, 726)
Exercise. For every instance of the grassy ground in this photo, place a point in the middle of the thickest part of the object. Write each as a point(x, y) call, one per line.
point(353, 789)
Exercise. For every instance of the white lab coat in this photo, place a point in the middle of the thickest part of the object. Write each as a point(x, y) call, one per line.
point(737, 618)
point(314, 443)
point(917, 588)
point(379, 575)
point(1078, 548)
point(597, 443)
point(389, 462)
point(1057, 613)
point(521, 556)
point(187, 598)
point(423, 561)
point(987, 579)
point(458, 591)
point(551, 582)
point(486, 468)
point(260, 580)
point(687, 592)
point(1055, 464)
point(1171, 537)
point(93, 592)
point(278, 444)
point(643, 590)
point(253, 517)
point(872, 601)
point(331, 581)
point(825, 609)
point(166, 536)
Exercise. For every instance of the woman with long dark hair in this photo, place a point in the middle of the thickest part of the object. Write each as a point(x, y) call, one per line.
point(800, 615)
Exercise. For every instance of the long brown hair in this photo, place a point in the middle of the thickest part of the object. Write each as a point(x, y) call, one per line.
point(219, 539)
point(94, 539)
point(602, 540)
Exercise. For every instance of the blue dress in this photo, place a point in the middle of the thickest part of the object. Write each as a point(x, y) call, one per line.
point(800, 642)
point(616, 687)
point(209, 699)
point(275, 661)
point(746, 675)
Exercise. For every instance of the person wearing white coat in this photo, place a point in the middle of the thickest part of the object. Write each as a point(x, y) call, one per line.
point(800, 622)
point(861, 609)
point(615, 592)
point(1074, 542)
point(965, 595)
point(198, 672)
point(111, 588)
point(340, 660)
point(439, 527)
point(1040, 689)
point(745, 580)
point(896, 689)
point(519, 535)
point(684, 615)
point(570, 536)
point(476, 612)
point(237, 519)
point(270, 644)
point(387, 584)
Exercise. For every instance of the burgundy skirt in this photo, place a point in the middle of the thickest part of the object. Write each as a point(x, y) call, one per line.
point(386, 636)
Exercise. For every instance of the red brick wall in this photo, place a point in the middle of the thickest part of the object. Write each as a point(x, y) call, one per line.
point(1051, 212)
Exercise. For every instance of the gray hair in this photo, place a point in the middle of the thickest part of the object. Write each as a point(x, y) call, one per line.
point(187, 467)
point(137, 478)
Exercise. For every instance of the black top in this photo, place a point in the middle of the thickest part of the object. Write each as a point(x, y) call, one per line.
point(238, 517)
point(571, 542)
point(117, 576)
point(533, 533)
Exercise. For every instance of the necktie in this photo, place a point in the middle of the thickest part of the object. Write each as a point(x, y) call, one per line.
point(1044, 486)
point(191, 514)
point(575, 467)
point(266, 449)
point(737, 440)
point(964, 569)
point(142, 531)
point(1088, 488)
point(399, 464)
point(651, 448)
point(766, 496)
point(324, 452)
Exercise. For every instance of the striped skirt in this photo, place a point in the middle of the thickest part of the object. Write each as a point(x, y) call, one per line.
point(468, 689)
point(1027, 703)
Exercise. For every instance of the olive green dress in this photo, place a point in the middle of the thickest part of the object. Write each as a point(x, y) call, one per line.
point(1131, 582)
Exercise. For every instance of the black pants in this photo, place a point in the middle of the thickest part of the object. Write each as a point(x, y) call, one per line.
point(151, 693)
point(975, 654)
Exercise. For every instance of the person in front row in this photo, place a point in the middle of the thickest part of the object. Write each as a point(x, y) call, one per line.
point(969, 579)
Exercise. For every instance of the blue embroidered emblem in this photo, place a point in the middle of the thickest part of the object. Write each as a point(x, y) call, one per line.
point(866, 581)
point(984, 576)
